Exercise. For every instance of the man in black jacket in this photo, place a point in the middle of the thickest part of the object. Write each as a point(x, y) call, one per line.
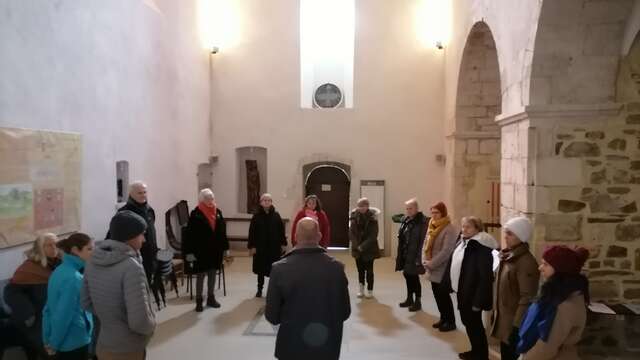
point(138, 204)
point(308, 297)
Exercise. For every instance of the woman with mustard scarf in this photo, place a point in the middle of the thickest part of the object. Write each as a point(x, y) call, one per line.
point(438, 248)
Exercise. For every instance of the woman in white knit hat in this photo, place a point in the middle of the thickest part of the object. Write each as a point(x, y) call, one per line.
point(516, 285)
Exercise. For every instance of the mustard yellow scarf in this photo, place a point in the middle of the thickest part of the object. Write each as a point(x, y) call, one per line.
point(434, 229)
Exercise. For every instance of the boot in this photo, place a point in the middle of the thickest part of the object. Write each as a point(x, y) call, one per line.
point(259, 293)
point(199, 307)
point(407, 302)
point(211, 302)
point(417, 305)
point(360, 291)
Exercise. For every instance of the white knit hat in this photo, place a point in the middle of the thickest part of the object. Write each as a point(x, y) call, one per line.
point(521, 227)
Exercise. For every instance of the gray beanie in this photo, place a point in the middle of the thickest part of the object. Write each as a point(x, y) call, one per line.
point(125, 225)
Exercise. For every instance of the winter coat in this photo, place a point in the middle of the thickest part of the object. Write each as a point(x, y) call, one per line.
point(515, 287)
point(475, 281)
point(323, 221)
point(66, 325)
point(443, 246)
point(308, 296)
point(410, 239)
point(267, 236)
point(566, 331)
point(363, 235)
point(26, 295)
point(116, 291)
point(206, 245)
point(150, 245)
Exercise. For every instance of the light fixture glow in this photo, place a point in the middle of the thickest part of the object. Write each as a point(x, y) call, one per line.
point(219, 24)
point(433, 23)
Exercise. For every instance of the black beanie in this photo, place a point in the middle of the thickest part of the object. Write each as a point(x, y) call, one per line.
point(125, 225)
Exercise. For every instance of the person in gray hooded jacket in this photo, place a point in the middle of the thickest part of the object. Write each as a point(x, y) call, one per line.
point(116, 290)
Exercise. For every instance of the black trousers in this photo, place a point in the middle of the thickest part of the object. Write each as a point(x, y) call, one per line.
point(472, 321)
point(508, 350)
point(443, 301)
point(260, 281)
point(77, 354)
point(365, 270)
point(413, 284)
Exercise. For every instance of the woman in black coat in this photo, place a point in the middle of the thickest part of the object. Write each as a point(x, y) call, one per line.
point(409, 260)
point(267, 241)
point(363, 235)
point(205, 246)
point(472, 279)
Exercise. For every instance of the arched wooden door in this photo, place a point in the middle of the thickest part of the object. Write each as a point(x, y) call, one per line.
point(331, 185)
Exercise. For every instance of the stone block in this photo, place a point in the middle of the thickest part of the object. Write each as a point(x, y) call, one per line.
point(635, 218)
point(618, 190)
point(582, 149)
point(594, 162)
point(594, 251)
point(630, 132)
point(594, 264)
point(568, 206)
point(617, 158)
point(540, 90)
point(561, 227)
point(599, 38)
point(630, 208)
point(625, 265)
point(565, 136)
point(617, 144)
point(471, 111)
point(559, 147)
point(632, 294)
point(488, 147)
point(603, 289)
point(595, 220)
point(603, 203)
point(609, 263)
point(559, 172)
point(621, 176)
point(627, 232)
point(635, 165)
point(604, 273)
point(615, 251)
point(633, 119)
point(594, 135)
point(633, 107)
point(473, 147)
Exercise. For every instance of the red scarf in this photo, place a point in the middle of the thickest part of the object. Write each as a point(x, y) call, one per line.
point(210, 213)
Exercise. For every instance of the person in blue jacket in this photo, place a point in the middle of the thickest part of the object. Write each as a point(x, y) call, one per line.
point(66, 327)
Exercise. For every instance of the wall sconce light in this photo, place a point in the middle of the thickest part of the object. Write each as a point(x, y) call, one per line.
point(214, 50)
point(439, 45)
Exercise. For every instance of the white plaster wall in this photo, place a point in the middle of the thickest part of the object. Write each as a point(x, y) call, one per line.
point(130, 76)
point(393, 132)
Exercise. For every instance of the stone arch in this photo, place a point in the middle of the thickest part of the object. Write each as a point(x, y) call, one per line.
point(577, 51)
point(476, 162)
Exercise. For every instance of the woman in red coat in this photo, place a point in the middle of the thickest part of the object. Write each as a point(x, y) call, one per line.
point(313, 209)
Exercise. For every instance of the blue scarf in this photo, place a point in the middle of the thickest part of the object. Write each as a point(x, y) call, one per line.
point(535, 326)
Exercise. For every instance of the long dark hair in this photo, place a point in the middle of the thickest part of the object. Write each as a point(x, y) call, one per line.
point(318, 202)
point(561, 285)
point(77, 240)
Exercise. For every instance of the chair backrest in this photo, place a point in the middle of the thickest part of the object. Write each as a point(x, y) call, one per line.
point(175, 219)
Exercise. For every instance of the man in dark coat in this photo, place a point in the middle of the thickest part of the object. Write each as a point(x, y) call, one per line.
point(267, 241)
point(410, 240)
point(138, 204)
point(308, 297)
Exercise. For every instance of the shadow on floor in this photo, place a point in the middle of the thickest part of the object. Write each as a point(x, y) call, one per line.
point(456, 339)
point(239, 316)
point(170, 328)
point(379, 316)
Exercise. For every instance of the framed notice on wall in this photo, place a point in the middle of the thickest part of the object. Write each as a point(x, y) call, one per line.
point(40, 184)
point(374, 191)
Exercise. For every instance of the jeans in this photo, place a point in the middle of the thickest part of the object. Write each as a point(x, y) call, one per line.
point(365, 269)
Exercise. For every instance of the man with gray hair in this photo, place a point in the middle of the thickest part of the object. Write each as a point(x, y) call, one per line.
point(138, 203)
point(308, 297)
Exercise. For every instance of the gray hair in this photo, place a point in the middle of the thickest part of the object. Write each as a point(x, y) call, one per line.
point(475, 221)
point(136, 184)
point(363, 202)
point(266, 196)
point(205, 193)
point(412, 201)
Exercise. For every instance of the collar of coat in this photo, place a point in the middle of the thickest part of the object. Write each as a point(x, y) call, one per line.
point(418, 218)
point(305, 250)
point(511, 254)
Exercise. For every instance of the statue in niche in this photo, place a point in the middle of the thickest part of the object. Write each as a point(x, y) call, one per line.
point(253, 186)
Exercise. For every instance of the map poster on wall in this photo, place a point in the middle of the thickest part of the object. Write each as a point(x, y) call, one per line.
point(40, 184)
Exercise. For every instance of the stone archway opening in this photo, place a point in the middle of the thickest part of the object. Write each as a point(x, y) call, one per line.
point(476, 163)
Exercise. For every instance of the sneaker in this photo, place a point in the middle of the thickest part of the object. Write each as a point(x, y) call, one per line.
point(369, 294)
point(360, 293)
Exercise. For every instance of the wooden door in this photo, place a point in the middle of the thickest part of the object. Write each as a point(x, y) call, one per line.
point(331, 185)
